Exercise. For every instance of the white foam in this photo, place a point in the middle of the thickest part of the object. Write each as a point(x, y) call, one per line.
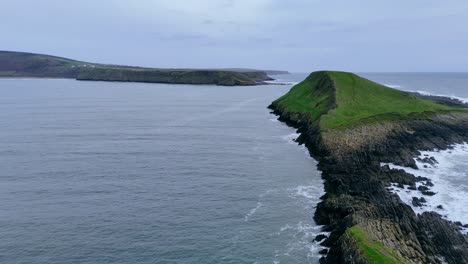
point(252, 211)
point(306, 234)
point(280, 82)
point(274, 120)
point(259, 204)
point(393, 86)
point(290, 138)
point(463, 100)
point(450, 179)
point(303, 233)
point(310, 192)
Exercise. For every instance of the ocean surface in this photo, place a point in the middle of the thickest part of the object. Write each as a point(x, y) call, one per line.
point(102, 172)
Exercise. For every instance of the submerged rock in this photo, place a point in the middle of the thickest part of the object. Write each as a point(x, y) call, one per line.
point(418, 201)
point(320, 237)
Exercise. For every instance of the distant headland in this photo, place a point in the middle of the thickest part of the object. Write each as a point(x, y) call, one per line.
point(22, 64)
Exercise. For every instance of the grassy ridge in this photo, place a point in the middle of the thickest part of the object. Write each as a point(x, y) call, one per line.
point(20, 64)
point(174, 76)
point(342, 100)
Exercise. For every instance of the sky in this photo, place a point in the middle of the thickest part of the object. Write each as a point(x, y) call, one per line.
point(294, 35)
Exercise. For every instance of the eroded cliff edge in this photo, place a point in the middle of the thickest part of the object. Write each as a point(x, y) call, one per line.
point(351, 126)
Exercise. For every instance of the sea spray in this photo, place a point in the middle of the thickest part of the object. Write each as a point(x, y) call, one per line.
point(448, 171)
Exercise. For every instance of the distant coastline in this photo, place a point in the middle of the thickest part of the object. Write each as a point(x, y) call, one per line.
point(31, 65)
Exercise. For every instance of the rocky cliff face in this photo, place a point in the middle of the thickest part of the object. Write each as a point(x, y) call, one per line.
point(368, 224)
point(357, 196)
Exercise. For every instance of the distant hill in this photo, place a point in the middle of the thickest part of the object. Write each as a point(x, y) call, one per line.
point(21, 64)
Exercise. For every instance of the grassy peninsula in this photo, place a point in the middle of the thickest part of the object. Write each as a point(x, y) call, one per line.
point(21, 64)
point(352, 126)
point(342, 100)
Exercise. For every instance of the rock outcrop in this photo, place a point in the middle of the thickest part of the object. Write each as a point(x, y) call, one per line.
point(368, 224)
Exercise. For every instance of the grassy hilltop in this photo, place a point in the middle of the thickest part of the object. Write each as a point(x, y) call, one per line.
point(20, 64)
point(342, 100)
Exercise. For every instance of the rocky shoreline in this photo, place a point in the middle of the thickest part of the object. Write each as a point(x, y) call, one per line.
point(358, 208)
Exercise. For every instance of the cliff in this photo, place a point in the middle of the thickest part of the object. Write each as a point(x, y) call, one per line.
point(351, 125)
point(218, 77)
point(19, 64)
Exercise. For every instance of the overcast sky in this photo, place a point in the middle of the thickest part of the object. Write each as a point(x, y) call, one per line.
point(295, 35)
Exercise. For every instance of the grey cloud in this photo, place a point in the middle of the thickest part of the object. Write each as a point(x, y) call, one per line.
point(298, 35)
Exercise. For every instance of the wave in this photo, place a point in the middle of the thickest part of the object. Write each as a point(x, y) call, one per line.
point(393, 86)
point(310, 192)
point(252, 211)
point(299, 236)
point(259, 204)
point(463, 100)
point(291, 138)
point(450, 178)
point(421, 92)
point(280, 82)
point(306, 234)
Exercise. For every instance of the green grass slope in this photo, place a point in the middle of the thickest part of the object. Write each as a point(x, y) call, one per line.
point(314, 95)
point(342, 100)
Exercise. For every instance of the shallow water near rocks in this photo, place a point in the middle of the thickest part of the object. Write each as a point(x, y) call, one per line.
point(450, 174)
point(96, 172)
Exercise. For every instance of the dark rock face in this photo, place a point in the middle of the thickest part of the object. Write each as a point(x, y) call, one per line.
point(320, 237)
point(418, 201)
point(356, 193)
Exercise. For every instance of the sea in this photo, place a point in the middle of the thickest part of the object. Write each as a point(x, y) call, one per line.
point(109, 172)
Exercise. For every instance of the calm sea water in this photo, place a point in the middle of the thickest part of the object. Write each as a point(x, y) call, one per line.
point(99, 172)
point(96, 172)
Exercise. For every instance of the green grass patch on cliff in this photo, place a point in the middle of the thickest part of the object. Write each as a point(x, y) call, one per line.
point(342, 100)
point(374, 251)
point(314, 96)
